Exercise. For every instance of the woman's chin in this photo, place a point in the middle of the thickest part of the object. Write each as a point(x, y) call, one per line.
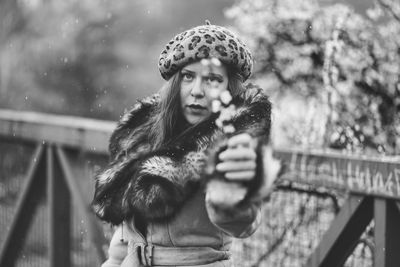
point(194, 118)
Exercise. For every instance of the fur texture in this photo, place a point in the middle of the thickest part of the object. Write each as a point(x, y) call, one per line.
point(155, 184)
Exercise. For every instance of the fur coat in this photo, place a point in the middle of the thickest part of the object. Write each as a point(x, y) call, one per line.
point(155, 184)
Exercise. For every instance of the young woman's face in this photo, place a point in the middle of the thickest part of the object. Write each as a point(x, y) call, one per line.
point(196, 85)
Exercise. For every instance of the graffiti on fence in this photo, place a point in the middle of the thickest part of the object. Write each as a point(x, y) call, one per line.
point(371, 176)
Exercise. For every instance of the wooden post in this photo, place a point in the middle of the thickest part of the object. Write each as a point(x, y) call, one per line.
point(95, 231)
point(387, 233)
point(340, 239)
point(59, 214)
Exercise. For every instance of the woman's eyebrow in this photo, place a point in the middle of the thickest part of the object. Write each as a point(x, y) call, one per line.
point(210, 74)
point(187, 71)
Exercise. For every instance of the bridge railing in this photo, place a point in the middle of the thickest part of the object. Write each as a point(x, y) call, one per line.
point(55, 193)
point(60, 155)
point(372, 188)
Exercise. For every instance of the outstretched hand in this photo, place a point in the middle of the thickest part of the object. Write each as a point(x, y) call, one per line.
point(238, 164)
point(238, 161)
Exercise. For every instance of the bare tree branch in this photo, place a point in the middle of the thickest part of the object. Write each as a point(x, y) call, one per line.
point(390, 8)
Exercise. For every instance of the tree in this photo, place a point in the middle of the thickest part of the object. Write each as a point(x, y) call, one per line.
point(89, 58)
point(56, 55)
point(345, 66)
point(11, 22)
point(343, 69)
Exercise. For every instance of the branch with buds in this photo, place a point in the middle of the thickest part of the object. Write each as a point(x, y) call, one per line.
point(221, 100)
point(330, 74)
point(228, 194)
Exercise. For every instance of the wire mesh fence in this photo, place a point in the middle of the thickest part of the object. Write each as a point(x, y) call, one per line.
point(293, 224)
point(14, 163)
point(35, 249)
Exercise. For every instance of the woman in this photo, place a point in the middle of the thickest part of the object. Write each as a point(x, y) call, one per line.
point(178, 186)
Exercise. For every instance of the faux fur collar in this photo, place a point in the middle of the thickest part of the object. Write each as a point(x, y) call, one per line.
point(155, 184)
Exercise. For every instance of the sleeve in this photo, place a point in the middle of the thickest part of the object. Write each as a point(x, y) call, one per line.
point(117, 251)
point(240, 221)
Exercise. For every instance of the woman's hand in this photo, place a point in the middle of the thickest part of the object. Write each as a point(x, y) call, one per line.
point(238, 161)
point(238, 165)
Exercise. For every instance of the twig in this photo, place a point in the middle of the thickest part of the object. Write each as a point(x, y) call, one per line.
point(329, 75)
point(279, 241)
point(390, 9)
point(311, 191)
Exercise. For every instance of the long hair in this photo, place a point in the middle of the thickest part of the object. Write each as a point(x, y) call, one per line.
point(169, 121)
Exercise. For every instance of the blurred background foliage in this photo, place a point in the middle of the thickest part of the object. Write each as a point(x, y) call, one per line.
point(340, 64)
point(89, 58)
point(330, 67)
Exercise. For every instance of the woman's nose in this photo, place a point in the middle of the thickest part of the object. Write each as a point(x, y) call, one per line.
point(197, 89)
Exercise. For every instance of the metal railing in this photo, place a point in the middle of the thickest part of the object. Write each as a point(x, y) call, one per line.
point(59, 182)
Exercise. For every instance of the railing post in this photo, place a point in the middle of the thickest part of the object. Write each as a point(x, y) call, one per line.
point(95, 231)
point(59, 202)
point(32, 193)
point(342, 236)
point(387, 233)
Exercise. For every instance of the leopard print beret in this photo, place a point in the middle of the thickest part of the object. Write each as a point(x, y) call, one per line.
point(205, 41)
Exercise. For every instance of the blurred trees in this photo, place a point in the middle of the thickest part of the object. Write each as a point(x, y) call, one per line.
point(342, 67)
point(61, 60)
point(89, 58)
point(11, 22)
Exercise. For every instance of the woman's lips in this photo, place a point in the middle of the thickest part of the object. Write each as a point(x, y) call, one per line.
point(196, 108)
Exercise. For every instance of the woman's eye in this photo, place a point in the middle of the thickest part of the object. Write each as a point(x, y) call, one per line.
point(213, 79)
point(187, 76)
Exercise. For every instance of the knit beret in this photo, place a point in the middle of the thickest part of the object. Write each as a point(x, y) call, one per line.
point(205, 41)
